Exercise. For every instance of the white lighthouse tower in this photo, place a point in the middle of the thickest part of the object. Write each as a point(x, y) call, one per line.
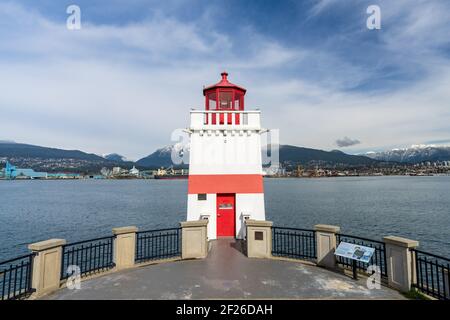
point(225, 167)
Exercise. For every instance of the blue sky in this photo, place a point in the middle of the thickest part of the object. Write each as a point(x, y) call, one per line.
point(128, 78)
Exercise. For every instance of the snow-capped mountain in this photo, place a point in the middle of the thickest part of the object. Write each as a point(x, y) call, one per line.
point(163, 157)
point(114, 157)
point(414, 154)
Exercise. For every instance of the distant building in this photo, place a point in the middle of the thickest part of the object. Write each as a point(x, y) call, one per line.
point(105, 172)
point(11, 172)
point(161, 172)
point(64, 175)
point(117, 170)
point(134, 171)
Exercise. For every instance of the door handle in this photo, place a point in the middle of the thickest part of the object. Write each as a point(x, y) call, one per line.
point(218, 215)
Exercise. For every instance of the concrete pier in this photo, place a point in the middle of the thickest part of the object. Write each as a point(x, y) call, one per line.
point(226, 273)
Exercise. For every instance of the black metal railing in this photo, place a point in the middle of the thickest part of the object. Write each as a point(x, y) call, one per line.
point(15, 277)
point(158, 244)
point(294, 243)
point(432, 274)
point(89, 256)
point(378, 258)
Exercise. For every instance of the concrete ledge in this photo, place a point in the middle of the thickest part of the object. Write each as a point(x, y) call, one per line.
point(196, 223)
point(258, 223)
point(401, 242)
point(122, 230)
point(327, 228)
point(47, 244)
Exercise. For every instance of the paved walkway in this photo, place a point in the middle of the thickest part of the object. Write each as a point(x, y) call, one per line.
point(226, 274)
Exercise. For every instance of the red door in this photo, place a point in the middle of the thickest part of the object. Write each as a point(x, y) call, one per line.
point(225, 215)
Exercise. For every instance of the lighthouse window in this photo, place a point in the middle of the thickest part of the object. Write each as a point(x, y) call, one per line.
point(212, 101)
point(226, 100)
point(237, 101)
point(201, 196)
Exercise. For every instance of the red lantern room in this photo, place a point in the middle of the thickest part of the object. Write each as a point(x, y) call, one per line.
point(224, 95)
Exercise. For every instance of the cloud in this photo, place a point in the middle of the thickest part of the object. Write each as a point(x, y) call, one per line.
point(320, 6)
point(347, 142)
point(123, 87)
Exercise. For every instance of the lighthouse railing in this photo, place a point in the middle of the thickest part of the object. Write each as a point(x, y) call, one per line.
point(225, 119)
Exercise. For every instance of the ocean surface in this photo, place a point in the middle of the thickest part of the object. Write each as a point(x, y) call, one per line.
point(412, 207)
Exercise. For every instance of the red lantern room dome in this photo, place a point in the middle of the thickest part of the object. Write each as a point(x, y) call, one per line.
point(224, 95)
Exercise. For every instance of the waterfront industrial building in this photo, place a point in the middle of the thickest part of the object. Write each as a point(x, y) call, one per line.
point(11, 172)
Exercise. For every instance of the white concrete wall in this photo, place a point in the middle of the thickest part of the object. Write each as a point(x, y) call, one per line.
point(196, 208)
point(225, 152)
point(246, 203)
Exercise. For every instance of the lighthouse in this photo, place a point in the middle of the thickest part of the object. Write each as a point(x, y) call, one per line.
point(225, 182)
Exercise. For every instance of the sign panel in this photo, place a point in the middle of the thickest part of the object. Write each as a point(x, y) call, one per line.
point(354, 251)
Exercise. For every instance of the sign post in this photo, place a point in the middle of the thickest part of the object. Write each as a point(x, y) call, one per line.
point(355, 252)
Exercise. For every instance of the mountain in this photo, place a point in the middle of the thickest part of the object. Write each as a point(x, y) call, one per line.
point(162, 157)
point(53, 159)
point(289, 156)
point(292, 155)
point(115, 157)
point(12, 150)
point(414, 154)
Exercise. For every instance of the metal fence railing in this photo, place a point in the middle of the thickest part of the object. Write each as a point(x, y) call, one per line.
point(378, 258)
point(158, 244)
point(294, 243)
point(15, 277)
point(432, 274)
point(89, 256)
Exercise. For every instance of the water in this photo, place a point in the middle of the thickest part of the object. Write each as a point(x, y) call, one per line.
point(413, 207)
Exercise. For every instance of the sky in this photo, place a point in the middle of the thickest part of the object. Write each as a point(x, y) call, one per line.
point(130, 75)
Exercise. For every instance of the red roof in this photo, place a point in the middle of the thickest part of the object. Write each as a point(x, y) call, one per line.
point(224, 83)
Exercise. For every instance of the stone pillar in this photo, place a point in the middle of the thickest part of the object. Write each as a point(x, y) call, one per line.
point(400, 262)
point(326, 244)
point(194, 239)
point(259, 238)
point(447, 284)
point(46, 274)
point(124, 246)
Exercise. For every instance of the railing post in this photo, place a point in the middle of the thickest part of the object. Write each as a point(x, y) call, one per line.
point(259, 238)
point(326, 244)
point(447, 284)
point(124, 247)
point(400, 262)
point(46, 273)
point(194, 239)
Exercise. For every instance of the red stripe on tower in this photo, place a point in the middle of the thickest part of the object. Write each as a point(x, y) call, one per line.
point(225, 183)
